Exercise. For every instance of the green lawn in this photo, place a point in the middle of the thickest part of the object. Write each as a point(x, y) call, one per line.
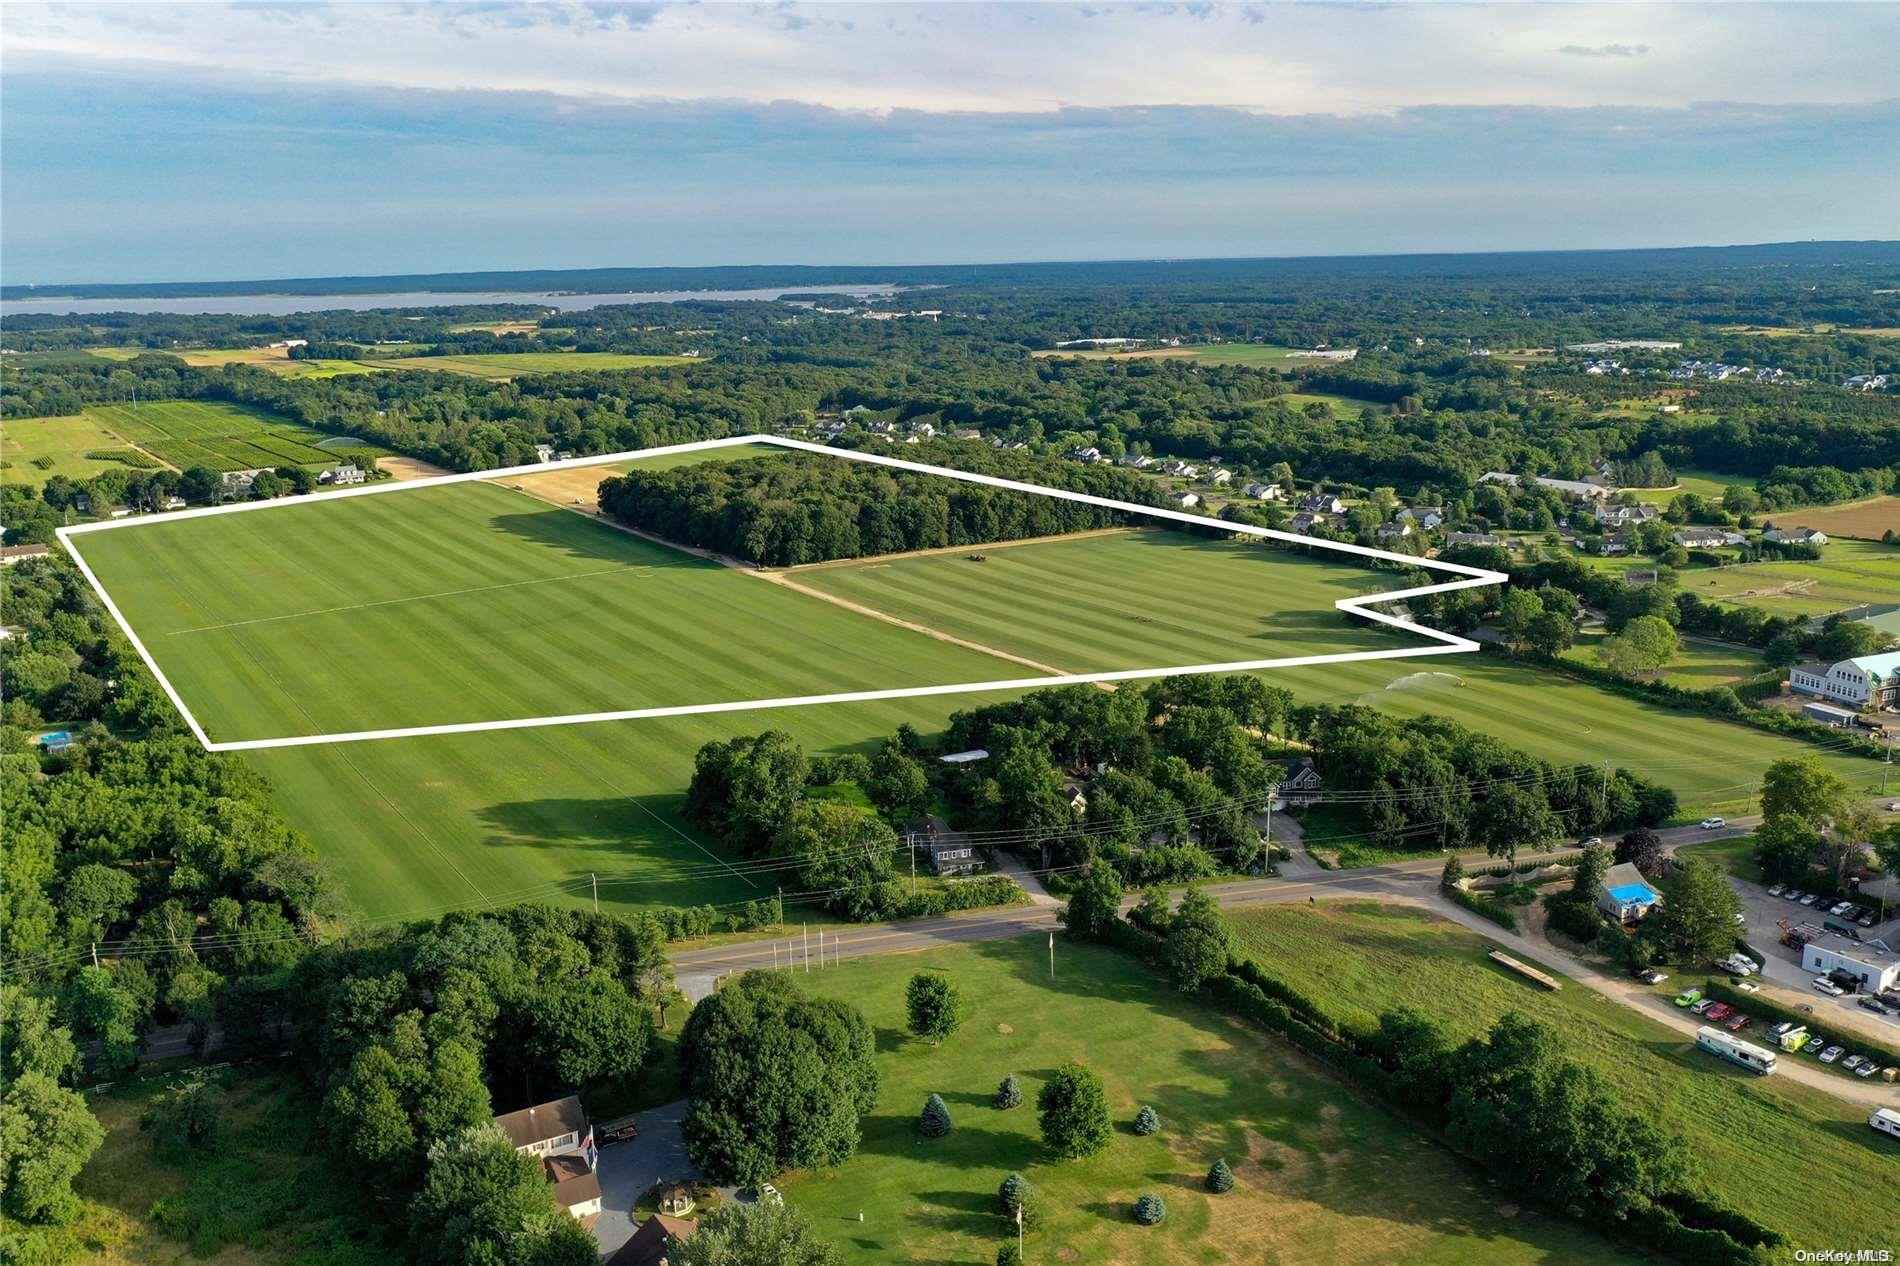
point(514, 364)
point(1697, 666)
point(1342, 406)
point(1323, 1175)
point(217, 435)
point(35, 449)
point(1848, 573)
point(1358, 958)
point(1124, 600)
point(1703, 483)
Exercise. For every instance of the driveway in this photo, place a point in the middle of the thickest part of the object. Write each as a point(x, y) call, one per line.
point(628, 1171)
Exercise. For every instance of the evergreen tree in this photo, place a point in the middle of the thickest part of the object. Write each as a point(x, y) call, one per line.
point(1073, 1109)
point(934, 1121)
point(1150, 1209)
point(934, 1005)
point(1009, 1094)
point(1220, 1178)
point(1147, 1121)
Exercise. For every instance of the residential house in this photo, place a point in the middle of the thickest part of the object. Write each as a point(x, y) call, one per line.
point(1615, 516)
point(1181, 470)
point(1304, 523)
point(238, 480)
point(924, 430)
point(653, 1241)
point(544, 452)
point(1794, 536)
point(1301, 785)
point(948, 852)
point(120, 512)
point(172, 503)
point(1707, 538)
point(342, 475)
point(11, 554)
point(1427, 517)
point(1222, 477)
point(966, 433)
point(1186, 500)
point(1626, 895)
point(1265, 492)
point(1866, 382)
point(1864, 682)
point(1137, 461)
point(1322, 503)
point(1474, 538)
point(1613, 546)
point(1088, 454)
point(1393, 531)
point(558, 1134)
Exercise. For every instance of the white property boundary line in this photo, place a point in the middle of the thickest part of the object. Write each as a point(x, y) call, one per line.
point(1447, 644)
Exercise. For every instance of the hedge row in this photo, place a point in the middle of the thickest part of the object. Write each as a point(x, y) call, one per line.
point(1488, 907)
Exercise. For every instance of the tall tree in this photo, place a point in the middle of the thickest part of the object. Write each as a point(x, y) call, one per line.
point(1072, 1107)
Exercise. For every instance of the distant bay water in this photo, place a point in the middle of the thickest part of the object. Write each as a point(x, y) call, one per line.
point(287, 304)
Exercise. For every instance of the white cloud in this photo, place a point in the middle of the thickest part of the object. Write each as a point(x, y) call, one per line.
point(1295, 59)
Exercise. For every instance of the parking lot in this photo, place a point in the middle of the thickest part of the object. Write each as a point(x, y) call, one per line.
point(1782, 966)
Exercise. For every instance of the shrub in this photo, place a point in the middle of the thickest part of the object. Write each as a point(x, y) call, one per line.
point(1015, 1193)
point(183, 1119)
point(1009, 1255)
point(1147, 1121)
point(1220, 1179)
point(1150, 1209)
point(934, 1122)
point(1009, 1094)
point(1489, 907)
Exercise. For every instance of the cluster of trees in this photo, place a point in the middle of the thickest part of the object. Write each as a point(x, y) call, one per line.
point(803, 508)
point(1433, 782)
point(412, 1037)
point(1814, 829)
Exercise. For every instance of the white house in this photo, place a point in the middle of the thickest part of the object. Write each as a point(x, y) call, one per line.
point(1186, 500)
point(1221, 477)
point(1626, 895)
point(1265, 492)
point(1137, 461)
point(1623, 516)
point(1088, 454)
point(1795, 536)
point(1575, 488)
point(544, 452)
point(1394, 531)
point(1181, 470)
point(351, 474)
point(559, 1135)
point(1425, 516)
point(1322, 503)
point(1707, 538)
point(1866, 681)
point(1829, 954)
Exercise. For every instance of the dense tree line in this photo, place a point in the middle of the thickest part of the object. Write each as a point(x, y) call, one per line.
point(804, 508)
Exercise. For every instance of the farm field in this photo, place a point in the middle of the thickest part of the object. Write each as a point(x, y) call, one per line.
point(1358, 958)
point(220, 436)
point(580, 485)
point(1211, 353)
point(474, 603)
point(1322, 1175)
point(35, 449)
point(1710, 763)
point(1120, 600)
point(513, 365)
point(1848, 573)
point(1868, 520)
point(1342, 406)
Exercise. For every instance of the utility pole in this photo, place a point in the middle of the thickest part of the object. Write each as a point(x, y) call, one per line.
point(805, 933)
point(912, 837)
point(1052, 955)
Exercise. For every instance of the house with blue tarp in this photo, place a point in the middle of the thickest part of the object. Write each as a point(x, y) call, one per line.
point(1627, 896)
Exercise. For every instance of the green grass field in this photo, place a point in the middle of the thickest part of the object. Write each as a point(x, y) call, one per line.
point(1125, 600)
point(1848, 574)
point(1323, 1175)
point(35, 449)
point(475, 603)
point(513, 365)
point(1358, 958)
point(1208, 353)
point(215, 434)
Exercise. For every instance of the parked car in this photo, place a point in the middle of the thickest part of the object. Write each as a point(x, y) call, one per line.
point(1688, 996)
point(1712, 824)
point(1737, 1023)
point(1794, 894)
point(1719, 1012)
point(1809, 899)
point(1852, 1061)
point(1831, 1054)
point(1823, 985)
point(1867, 1069)
point(1744, 986)
point(1592, 842)
point(1652, 976)
point(1866, 920)
point(1775, 890)
point(618, 1132)
point(1875, 1005)
point(1702, 1007)
point(1840, 909)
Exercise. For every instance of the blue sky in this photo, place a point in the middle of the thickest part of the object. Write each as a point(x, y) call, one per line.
point(158, 143)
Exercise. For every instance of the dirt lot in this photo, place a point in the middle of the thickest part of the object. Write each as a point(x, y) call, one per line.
point(403, 469)
point(577, 489)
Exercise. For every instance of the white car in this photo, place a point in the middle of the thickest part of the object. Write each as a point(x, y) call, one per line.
point(1745, 986)
point(1831, 1054)
point(1823, 985)
point(1712, 824)
point(1841, 909)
